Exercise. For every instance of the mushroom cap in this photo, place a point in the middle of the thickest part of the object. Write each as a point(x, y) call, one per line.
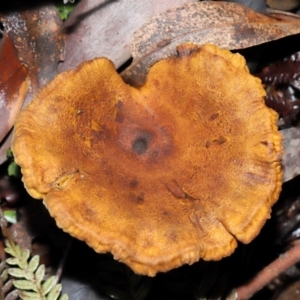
point(162, 175)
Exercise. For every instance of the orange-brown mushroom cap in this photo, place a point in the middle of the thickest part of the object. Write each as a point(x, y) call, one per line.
point(162, 175)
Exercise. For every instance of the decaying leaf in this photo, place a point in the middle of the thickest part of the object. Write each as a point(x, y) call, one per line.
point(228, 25)
point(13, 85)
point(105, 28)
point(37, 36)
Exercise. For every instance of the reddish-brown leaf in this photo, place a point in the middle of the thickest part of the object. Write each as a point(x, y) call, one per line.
point(39, 40)
point(38, 37)
point(228, 25)
point(13, 85)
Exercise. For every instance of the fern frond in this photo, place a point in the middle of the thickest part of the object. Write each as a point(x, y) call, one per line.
point(29, 276)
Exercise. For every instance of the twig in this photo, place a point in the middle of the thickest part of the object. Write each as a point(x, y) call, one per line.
point(281, 264)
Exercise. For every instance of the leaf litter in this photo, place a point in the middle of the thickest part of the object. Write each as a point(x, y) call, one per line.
point(227, 25)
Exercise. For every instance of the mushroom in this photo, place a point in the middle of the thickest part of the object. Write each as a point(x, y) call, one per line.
point(162, 175)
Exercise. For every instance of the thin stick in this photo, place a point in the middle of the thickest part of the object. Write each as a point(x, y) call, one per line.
point(281, 264)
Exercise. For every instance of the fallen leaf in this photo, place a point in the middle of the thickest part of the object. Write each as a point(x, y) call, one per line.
point(36, 32)
point(105, 28)
point(39, 40)
point(13, 85)
point(227, 25)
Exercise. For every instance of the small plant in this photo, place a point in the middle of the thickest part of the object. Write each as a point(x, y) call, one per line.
point(13, 169)
point(66, 8)
point(30, 282)
point(26, 280)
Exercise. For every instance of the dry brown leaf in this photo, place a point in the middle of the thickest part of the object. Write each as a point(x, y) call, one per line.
point(105, 28)
point(227, 25)
point(39, 40)
point(13, 85)
point(37, 35)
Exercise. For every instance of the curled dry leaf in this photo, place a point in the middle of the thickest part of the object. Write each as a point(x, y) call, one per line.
point(227, 25)
point(13, 85)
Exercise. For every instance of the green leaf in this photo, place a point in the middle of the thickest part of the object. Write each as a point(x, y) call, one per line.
point(64, 10)
point(25, 285)
point(14, 170)
point(10, 216)
point(24, 256)
point(17, 249)
point(64, 297)
point(12, 249)
point(9, 153)
point(48, 284)
point(16, 272)
point(33, 263)
point(29, 295)
point(12, 261)
point(29, 276)
point(54, 293)
point(40, 273)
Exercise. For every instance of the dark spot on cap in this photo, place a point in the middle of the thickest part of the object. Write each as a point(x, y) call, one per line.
point(133, 183)
point(265, 143)
point(214, 116)
point(140, 198)
point(140, 144)
point(220, 140)
point(208, 143)
point(175, 189)
point(119, 116)
point(137, 198)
